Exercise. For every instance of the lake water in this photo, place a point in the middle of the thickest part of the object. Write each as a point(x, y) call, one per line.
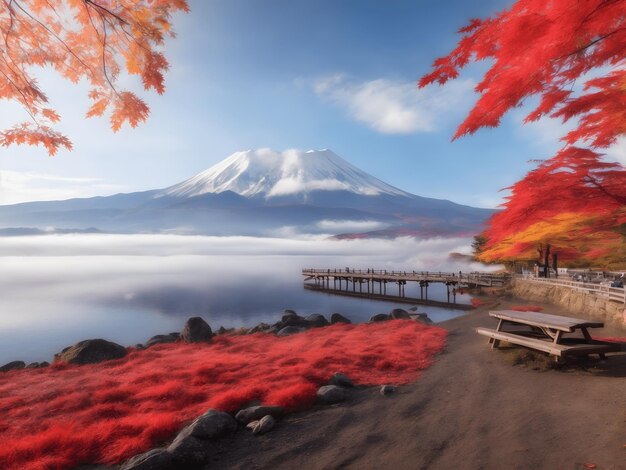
point(59, 289)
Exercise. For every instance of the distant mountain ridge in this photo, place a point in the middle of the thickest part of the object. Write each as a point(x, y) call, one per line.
point(258, 193)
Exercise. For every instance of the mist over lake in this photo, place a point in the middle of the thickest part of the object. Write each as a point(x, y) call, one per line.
point(59, 289)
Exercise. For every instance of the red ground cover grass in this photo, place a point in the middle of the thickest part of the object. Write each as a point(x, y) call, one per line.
point(65, 415)
point(527, 308)
point(477, 302)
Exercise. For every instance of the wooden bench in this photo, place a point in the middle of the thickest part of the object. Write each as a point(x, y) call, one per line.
point(545, 332)
point(554, 349)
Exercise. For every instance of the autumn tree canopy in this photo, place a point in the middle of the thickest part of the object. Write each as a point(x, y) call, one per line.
point(573, 59)
point(92, 40)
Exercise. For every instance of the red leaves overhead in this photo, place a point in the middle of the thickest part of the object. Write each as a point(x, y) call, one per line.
point(574, 201)
point(81, 39)
point(541, 48)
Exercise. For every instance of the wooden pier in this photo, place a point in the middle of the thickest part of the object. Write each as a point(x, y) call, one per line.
point(372, 283)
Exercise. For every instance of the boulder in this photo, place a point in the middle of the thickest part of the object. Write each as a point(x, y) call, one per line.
point(221, 331)
point(316, 320)
point(255, 413)
point(211, 425)
point(44, 364)
point(155, 459)
point(338, 318)
point(292, 319)
point(263, 425)
point(341, 380)
point(330, 394)
point(260, 327)
point(387, 389)
point(161, 339)
point(91, 351)
point(379, 317)
point(422, 317)
point(413, 309)
point(12, 366)
point(400, 314)
point(290, 312)
point(290, 330)
point(33, 365)
point(196, 330)
point(188, 450)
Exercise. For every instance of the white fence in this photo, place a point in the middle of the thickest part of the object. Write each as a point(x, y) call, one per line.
point(604, 290)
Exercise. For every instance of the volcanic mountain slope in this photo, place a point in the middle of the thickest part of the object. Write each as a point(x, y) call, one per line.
point(260, 192)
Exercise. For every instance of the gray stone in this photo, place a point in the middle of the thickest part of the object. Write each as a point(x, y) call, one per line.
point(161, 339)
point(316, 320)
point(155, 459)
point(422, 317)
point(330, 394)
point(44, 364)
point(387, 389)
point(413, 309)
point(341, 380)
point(196, 330)
point(91, 351)
point(379, 317)
point(400, 314)
point(292, 319)
point(254, 413)
point(260, 327)
point(12, 366)
point(290, 312)
point(187, 449)
point(290, 330)
point(139, 346)
point(33, 365)
point(211, 425)
point(263, 425)
point(221, 331)
point(338, 318)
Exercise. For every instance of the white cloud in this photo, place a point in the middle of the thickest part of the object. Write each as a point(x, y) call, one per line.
point(16, 187)
point(618, 150)
point(350, 225)
point(393, 107)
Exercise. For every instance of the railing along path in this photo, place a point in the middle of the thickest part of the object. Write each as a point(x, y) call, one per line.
point(603, 290)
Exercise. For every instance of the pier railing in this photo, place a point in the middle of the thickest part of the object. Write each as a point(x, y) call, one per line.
point(603, 290)
point(469, 278)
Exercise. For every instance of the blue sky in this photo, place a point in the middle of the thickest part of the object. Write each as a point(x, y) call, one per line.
point(338, 74)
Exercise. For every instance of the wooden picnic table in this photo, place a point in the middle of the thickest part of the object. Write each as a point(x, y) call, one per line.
point(557, 335)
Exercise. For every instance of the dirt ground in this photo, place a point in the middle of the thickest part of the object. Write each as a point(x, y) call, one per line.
point(476, 408)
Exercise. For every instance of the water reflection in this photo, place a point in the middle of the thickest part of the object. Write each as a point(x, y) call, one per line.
point(62, 289)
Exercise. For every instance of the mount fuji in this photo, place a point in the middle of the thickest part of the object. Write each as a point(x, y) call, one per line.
point(261, 193)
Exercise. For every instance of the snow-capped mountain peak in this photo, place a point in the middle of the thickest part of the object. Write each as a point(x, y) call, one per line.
point(266, 173)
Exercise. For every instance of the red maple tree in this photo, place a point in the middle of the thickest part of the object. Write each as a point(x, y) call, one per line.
point(94, 40)
point(541, 48)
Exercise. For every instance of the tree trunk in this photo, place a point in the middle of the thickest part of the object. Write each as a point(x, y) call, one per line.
point(555, 261)
point(546, 262)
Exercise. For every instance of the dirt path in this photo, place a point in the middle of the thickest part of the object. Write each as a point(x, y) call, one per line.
point(472, 410)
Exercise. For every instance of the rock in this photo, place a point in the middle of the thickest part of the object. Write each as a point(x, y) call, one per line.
point(290, 312)
point(155, 459)
point(175, 334)
point(211, 425)
point(330, 394)
point(196, 330)
point(422, 317)
point(44, 364)
point(316, 320)
point(258, 328)
point(290, 330)
point(12, 366)
point(379, 317)
point(221, 331)
point(400, 314)
point(292, 319)
point(341, 380)
point(265, 424)
point(33, 365)
point(161, 339)
point(139, 346)
point(91, 351)
point(187, 450)
point(338, 318)
point(387, 389)
point(413, 309)
point(254, 413)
